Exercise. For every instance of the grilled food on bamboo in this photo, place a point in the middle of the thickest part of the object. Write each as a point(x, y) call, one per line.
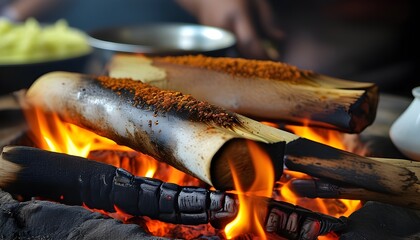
point(188, 134)
point(263, 90)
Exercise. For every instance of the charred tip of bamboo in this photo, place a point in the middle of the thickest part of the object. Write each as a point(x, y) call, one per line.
point(234, 154)
point(363, 111)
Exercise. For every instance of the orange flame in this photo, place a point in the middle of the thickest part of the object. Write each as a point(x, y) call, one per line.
point(324, 136)
point(48, 132)
point(251, 209)
point(332, 207)
point(334, 139)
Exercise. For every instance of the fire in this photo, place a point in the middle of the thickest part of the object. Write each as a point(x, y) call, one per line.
point(251, 208)
point(50, 133)
point(334, 139)
point(327, 137)
point(332, 207)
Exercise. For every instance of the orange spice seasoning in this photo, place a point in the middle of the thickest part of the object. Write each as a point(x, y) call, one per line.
point(147, 96)
point(240, 67)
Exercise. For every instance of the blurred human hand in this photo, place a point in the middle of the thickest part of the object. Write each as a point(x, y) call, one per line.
point(252, 22)
point(20, 10)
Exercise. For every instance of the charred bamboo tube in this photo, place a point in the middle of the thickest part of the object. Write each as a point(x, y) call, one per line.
point(330, 163)
point(75, 180)
point(190, 135)
point(264, 90)
point(316, 188)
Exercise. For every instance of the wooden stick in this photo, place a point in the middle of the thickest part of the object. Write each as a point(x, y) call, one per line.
point(263, 90)
point(411, 165)
point(315, 188)
point(8, 102)
point(325, 162)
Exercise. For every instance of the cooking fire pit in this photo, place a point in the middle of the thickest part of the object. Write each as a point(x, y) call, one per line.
point(122, 193)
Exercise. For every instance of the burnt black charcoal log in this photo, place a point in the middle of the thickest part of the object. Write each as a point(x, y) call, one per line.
point(75, 180)
point(48, 220)
point(294, 222)
point(317, 188)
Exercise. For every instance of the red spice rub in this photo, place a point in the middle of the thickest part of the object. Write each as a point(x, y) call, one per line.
point(146, 95)
point(240, 67)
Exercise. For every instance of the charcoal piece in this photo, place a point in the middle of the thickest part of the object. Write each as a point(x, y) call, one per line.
point(382, 221)
point(193, 218)
point(193, 200)
point(168, 197)
point(95, 189)
point(125, 193)
point(48, 220)
point(148, 203)
point(168, 202)
point(217, 200)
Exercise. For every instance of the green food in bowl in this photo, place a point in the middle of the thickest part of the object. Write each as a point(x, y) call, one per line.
point(30, 42)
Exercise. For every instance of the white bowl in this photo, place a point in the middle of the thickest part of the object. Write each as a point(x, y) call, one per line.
point(405, 131)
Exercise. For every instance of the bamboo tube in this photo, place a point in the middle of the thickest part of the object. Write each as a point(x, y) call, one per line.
point(262, 90)
point(171, 127)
